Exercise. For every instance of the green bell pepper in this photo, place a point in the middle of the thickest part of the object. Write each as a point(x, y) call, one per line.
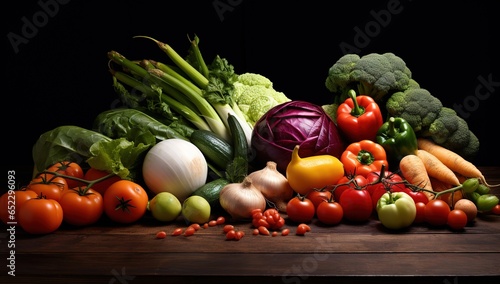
point(398, 139)
point(396, 210)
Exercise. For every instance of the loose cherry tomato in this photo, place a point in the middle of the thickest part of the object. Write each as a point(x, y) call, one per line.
point(300, 209)
point(82, 206)
point(420, 216)
point(40, 216)
point(125, 201)
point(94, 174)
point(496, 209)
point(11, 203)
point(302, 229)
point(436, 212)
point(457, 219)
point(357, 204)
point(48, 185)
point(68, 168)
point(318, 195)
point(348, 181)
point(273, 219)
point(330, 212)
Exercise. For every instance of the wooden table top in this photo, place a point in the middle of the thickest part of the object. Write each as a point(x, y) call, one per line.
point(346, 253)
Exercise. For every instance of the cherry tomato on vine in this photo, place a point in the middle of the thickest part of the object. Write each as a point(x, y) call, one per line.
point(436, 212)
point(420, 216)
point(40, 216)
point(94, 174)
point(68, 168)
point(125, 201)
point(357, 204)
point(48, 185)
point(300, 209)
point(330, 213)
point(11, 203)
point(348, 181)
point(317, 196)
point(379, 183)
point(457, 219)
point(82, 206)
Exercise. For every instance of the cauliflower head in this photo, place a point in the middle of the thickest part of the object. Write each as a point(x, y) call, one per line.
point(255, 95)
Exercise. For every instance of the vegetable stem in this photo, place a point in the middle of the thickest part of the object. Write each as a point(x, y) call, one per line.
point(356, 110)
point(200, 80)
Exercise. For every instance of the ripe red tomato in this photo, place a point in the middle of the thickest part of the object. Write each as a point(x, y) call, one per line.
point(317, 196)
point(348, 181)
point(125, 201)
point(68, 168)
point(300, 209)
point(81, 206)
point(48, 186)
point(11, 203)
point(40, 216)
point(94, 174)
point(379, 183)
point(357, 204)
point(330, 213)
point(436, 212)
point(496, 209)
point(457, 219)
point(420, 216)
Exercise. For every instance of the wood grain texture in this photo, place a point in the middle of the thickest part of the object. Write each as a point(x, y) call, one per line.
point(346, 253)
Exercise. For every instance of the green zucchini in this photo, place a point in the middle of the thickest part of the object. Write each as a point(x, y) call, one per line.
point(240, 144)
point(211, 191)
point(217, 151)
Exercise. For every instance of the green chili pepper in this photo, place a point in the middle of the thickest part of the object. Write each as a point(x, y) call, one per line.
point(482, 189)
point(398, 138)
point(486, 202)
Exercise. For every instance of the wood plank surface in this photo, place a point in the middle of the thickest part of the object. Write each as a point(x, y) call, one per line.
point(346, 253)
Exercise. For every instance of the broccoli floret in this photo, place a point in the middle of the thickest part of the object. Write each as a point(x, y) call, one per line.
point(469, 152)
point(374, 74)
point(416, 105)
point(445, 124)
point(459, 138)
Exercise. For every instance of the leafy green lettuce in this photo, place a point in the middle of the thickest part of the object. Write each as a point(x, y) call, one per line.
point(80, 145)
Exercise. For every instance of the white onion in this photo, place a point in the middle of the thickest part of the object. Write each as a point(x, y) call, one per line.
point(176, 166)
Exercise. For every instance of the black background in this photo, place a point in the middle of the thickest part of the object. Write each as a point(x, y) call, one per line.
point(60, 75)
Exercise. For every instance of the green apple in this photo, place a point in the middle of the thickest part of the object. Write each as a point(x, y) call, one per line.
point(196, 209)
point(165, 207)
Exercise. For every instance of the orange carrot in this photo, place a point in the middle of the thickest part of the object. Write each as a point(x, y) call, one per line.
point(452, 160)
point(435, 168)
point(413, 170)
point(450, 198)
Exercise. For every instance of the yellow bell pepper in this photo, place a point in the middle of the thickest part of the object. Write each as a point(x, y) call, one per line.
point(313, 172)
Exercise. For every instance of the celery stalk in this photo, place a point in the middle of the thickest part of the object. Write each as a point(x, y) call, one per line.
point(198, 78)
point(206, 109)
point(175, 105)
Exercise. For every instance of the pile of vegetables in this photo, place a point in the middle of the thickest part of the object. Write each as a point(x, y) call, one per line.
point(193, 140)
point(386, 78)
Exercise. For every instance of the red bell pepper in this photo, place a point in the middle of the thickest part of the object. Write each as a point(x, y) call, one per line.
point(359, 118)
point(364, 157)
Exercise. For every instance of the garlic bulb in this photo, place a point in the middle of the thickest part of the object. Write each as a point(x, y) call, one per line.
point(273, 185)
point(239, 199)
